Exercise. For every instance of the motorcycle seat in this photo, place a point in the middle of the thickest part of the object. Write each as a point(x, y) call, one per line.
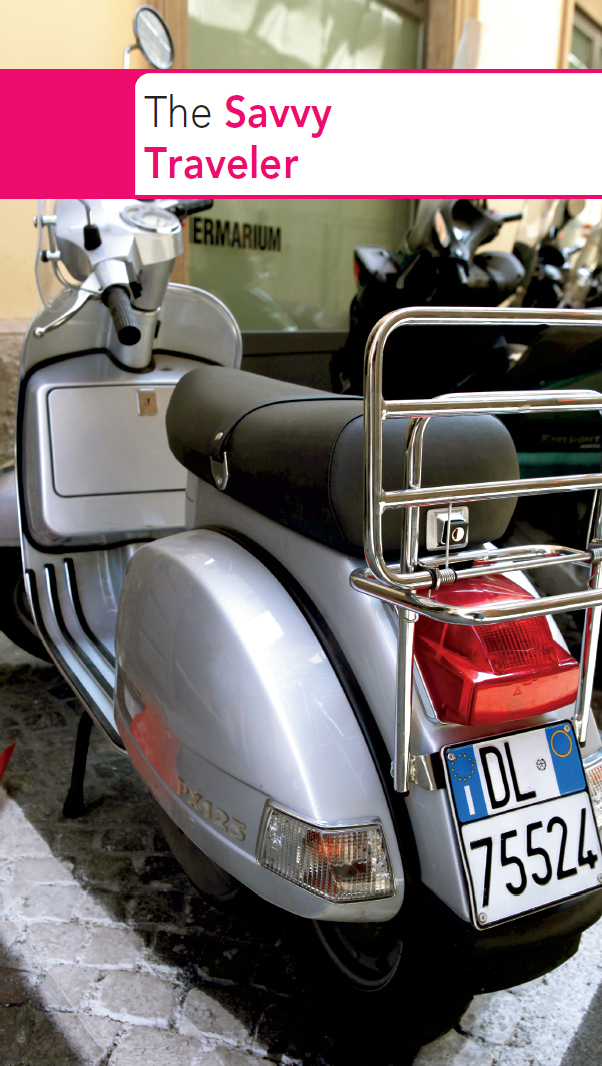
point(295, 454)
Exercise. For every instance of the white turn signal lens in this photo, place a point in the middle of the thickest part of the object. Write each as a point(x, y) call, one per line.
point(343, 865)
point(593, 773)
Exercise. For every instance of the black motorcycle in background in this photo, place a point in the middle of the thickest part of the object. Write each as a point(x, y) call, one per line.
point(548, 261)
point(440, 264)
point(583, 287)
point(444, 262)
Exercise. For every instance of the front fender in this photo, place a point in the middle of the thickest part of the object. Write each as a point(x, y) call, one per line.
point(225, 700)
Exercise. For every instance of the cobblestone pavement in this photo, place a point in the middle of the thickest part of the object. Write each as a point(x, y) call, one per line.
point(108, 956)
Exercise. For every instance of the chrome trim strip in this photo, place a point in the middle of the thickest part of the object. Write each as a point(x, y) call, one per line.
point(82, 693)
point(76, 648)
point(73, 593)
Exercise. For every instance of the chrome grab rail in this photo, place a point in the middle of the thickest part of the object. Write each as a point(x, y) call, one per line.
point(399, 584)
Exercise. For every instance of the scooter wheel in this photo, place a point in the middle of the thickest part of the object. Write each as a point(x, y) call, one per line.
point(366, 955)
point(400, 990)
point(16, 618)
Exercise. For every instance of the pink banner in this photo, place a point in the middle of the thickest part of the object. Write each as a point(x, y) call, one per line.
point(68, 133)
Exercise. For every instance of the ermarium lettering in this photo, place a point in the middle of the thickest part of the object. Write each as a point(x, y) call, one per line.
point(236, 235)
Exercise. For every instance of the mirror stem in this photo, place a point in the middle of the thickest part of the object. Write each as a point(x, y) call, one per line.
point(126, 54)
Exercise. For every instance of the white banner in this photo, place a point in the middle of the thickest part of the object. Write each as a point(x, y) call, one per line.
point(368, 133)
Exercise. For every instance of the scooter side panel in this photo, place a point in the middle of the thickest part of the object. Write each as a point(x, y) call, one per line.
point(225, 699)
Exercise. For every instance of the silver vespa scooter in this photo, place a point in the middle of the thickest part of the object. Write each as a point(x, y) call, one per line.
point(402, 753)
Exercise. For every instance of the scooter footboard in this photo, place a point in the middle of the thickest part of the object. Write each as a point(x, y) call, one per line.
point(235, 719)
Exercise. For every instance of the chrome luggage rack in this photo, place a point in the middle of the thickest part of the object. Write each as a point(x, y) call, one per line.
point(403, 584)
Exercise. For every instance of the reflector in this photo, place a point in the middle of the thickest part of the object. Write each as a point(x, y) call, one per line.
point(512, 645)
point(343, 864)
point(594, 780)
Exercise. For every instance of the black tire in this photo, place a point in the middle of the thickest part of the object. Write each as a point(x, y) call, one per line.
point(387, 983)
point(16, 618)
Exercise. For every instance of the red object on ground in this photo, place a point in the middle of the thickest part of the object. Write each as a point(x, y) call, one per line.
point(5, 759)
point(492, 673)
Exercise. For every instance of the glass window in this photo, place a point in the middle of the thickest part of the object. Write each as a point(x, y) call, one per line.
point(276, 34)
point(288, 264)
point(586, 44)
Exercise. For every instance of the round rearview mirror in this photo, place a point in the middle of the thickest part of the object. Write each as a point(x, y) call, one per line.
point(153, 37)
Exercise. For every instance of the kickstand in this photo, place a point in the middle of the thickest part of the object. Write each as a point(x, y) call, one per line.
point(74, 806)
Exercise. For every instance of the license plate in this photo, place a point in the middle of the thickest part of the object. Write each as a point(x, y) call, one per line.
point(524, 821)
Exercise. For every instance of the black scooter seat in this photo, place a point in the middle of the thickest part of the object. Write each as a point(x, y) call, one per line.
point(295, 454)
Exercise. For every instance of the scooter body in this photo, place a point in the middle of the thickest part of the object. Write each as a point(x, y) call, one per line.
point(203, 599)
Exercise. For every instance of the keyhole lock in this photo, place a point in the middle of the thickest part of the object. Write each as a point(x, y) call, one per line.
point(437, 521)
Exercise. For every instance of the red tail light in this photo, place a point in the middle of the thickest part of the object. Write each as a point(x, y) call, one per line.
point(492, 673)
point(356, 269)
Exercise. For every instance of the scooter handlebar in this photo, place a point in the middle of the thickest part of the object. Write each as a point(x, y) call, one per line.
point(514, 216)
point(182, 208)
point(124, 321)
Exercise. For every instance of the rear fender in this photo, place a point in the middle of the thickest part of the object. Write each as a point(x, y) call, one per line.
point(226, 700)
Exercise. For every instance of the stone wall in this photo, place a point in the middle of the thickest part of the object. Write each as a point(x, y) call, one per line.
point(12, 331)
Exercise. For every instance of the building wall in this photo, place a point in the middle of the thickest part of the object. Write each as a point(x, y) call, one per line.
point(67, 33)
point(18, 300)
point(12, 332)
point(521, 34)
point(511, 33)
point(593, 8)
point(445, 21)
point(18, 293)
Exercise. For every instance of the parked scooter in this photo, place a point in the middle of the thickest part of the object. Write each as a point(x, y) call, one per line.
point(547, 261)
point(412, 769)
point(583, 287)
